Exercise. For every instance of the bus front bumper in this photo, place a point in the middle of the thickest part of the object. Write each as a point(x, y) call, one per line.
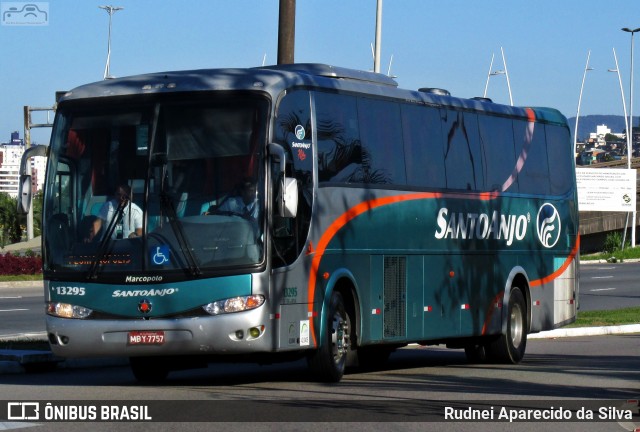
point(235, 333)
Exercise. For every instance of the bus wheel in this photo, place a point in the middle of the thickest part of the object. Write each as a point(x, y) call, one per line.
point(510, 347)
point(148, 369)
point(328, 361)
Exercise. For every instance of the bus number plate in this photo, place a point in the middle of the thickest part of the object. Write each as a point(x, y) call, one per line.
point(146, 338)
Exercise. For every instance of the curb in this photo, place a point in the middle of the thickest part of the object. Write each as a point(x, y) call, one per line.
point(27, 361)
point(586, 331)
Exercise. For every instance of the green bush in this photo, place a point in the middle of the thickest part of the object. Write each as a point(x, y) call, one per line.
point(613, 242)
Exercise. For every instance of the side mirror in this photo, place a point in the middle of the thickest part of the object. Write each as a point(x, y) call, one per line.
point(24, 194)
point(288, 198)
point(287, 193)
point(24, 187)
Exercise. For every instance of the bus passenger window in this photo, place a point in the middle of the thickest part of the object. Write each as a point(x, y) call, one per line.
point(339, 145)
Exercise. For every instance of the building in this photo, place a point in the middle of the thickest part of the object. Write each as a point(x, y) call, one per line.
point(10, 158)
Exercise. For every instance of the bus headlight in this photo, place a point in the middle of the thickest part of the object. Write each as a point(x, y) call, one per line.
point(234, 304)
point(66, 310)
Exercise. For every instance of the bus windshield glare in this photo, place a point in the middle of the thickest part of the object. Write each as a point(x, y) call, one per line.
point(159, 186)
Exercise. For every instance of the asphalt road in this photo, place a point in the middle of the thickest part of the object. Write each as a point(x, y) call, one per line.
point(410, 393)
point(609, 286)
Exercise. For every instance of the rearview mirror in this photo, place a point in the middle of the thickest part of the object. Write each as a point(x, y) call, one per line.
point(24, 194)
point(287, 193)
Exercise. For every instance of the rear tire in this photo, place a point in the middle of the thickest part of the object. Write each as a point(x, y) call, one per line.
point(510, 347)
point(329, 360)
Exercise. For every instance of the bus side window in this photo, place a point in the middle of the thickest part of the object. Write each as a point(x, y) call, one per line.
point(423, 148)
point(534, 175)
point(339, 146)
point(496, 136)
point(560, 159)
point(462, 153)
point(382, 147)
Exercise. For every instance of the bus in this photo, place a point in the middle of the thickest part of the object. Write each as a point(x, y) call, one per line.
point(381, 217)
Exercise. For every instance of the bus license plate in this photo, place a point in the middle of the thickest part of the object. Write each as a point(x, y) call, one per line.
point(146, 338)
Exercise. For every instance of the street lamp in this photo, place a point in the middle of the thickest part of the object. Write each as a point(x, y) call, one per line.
point(110, 10)
point(628, 30)
point(498, 72)
point(629, 139)
point(584, 75)
point(624, 107)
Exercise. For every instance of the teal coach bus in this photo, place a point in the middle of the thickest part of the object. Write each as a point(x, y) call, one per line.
point(302, 210)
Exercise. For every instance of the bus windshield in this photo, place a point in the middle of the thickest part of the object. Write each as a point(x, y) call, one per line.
point(161, 185)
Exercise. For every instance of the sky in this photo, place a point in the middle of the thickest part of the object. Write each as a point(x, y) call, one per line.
point(426, 43)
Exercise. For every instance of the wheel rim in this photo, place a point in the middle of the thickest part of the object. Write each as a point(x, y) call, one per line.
point(516, 325)
point(339, 337)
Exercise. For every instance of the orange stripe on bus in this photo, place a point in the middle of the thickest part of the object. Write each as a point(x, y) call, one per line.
point(562, 268)
point(359, 209)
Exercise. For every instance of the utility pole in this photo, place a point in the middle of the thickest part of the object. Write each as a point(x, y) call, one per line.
point(28, 125)
point(378, 48)
point(110, 10)
point(286, 31)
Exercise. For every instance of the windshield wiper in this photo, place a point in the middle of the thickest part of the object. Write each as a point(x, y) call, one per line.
point(106, 238)
point(185, 247)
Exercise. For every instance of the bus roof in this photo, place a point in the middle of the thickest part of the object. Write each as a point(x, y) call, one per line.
point(275, 79)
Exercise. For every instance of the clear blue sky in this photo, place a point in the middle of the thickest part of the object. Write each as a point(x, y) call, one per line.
point(434, 43)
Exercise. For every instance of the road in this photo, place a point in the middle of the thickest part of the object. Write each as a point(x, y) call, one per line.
point(21, 309)
point(411, 393)
point(609, 286)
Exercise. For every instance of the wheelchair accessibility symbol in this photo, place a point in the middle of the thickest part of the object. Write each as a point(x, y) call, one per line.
point(160, 255)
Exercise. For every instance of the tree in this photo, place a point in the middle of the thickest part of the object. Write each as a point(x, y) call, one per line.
point(37, 213)
point(10, 220)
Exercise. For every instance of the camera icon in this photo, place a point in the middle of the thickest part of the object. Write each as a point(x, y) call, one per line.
point(15, 13)
point(23, 411)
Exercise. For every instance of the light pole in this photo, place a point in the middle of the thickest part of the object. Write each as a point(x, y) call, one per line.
point(629, 139)
point(110, 10)
point(584, 75)
point(486, 86)
point(624, 107)
point(630, 131)
point(506, 73)
point(376, 55)
point(498, 72)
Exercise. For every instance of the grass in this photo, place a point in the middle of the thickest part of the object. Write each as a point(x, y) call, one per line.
point(607, 317)
point(24, 277)
point(615, 256)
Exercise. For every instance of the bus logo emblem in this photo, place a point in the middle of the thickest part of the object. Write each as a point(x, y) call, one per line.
point(300, 133)
point(144, 306)
point(548, 223)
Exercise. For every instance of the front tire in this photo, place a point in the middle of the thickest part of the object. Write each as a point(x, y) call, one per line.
point(510, 347)
point(329, 360)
